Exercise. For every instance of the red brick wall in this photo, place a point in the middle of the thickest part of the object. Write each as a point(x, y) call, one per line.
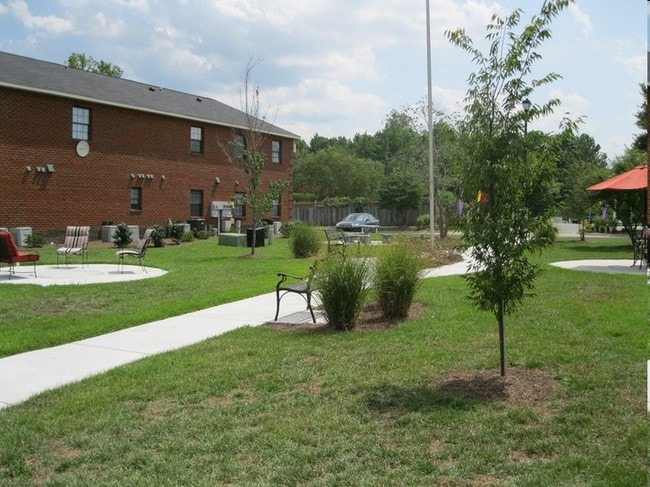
point(36, 130)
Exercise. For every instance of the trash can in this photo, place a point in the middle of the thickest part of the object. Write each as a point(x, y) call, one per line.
point(259, 236)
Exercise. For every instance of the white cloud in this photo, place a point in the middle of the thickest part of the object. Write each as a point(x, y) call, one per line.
point(49, 23)
point(582, 18)
point(327, 107)
point(635, 65)
point(357, 63)
point(103, 26)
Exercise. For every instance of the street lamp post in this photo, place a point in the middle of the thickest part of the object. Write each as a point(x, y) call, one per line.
point(430, 127)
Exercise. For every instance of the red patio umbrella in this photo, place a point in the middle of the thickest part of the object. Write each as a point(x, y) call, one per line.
point(636, 178)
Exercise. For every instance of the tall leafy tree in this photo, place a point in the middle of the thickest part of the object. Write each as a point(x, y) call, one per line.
point(630, 206)
point(501, 228)
point(334, 171)
point(78, 60)
point(641, 140)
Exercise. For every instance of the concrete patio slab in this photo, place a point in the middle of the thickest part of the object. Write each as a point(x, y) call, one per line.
point(51, 275)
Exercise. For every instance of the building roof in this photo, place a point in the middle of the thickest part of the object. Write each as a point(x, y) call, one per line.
point(29, 74)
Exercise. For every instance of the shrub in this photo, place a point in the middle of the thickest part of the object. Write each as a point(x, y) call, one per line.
point(203, 234)
point(158, 236)
point(423, 221)
point(175, 231)
point(341, 283)
point(304, 241)
point(397, 276)
point(122, 236)
point(187, 236)
point(287, 228)
point(35, 240)
point(305, 197)
point(547, 233)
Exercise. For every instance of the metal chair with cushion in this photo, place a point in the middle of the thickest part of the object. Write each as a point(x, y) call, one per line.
point(75, 243)
point(10, 254)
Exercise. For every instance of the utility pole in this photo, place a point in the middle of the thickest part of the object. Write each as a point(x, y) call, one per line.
point(430, 121)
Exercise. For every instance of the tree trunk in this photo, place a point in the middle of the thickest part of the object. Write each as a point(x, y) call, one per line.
point(502, 337)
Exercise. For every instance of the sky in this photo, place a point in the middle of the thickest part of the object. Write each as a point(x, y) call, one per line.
point(339, 67)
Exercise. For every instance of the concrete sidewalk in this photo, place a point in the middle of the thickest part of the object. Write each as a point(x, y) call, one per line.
point(30, 373)
point(27, 374)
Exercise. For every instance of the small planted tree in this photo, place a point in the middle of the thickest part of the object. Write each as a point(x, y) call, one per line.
point(502, 224)
point(246, 154)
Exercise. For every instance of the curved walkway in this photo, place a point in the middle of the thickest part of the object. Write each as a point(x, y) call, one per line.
point(27, 374)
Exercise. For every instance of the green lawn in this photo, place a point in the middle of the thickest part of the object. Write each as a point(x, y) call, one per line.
point(259, 406)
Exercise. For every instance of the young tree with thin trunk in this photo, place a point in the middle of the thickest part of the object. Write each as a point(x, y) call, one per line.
point(504, 223)
point(246, 154)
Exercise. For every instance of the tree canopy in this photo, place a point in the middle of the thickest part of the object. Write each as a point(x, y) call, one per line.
point(84, 62)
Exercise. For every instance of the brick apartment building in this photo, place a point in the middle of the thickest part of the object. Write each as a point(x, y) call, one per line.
point(78, 148)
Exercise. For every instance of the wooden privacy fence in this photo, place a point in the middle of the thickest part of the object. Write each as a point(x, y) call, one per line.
point(327, 217)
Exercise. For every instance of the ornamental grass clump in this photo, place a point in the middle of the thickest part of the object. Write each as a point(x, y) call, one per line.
point(305, 240)
point(341, 282)
point(397, 276)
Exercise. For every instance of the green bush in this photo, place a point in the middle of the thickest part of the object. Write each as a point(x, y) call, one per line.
point(175, 231)
point(341, 283)
point(304, 241)
point(203, 234)
point(397, 276)
point(122, 236)
point(305, 197)
point(158, 235)
point(423, 221)
point(547, 233)
point(35, 240)
point(286, 228)
point(187, 236)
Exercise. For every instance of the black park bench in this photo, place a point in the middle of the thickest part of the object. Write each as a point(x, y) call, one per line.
point(303, 286)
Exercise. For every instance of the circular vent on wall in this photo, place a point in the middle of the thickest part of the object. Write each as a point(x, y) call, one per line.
point(83, 148)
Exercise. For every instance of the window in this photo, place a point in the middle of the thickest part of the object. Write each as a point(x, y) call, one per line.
point(276, 151)
point(276, 210)
point(80, 123)
point(136, 198)
point(196, 202)
point(239, 208)
point(196, 139)
point(240, 146)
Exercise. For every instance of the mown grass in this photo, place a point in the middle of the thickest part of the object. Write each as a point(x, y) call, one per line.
point(200, 274)
point(259, 406)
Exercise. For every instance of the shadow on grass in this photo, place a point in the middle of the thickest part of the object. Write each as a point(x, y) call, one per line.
point(461, 393)
point(585, 248)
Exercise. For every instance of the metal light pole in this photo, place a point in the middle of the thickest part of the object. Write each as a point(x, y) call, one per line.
point(430, 120)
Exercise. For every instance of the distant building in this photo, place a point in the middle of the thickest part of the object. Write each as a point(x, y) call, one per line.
point(78, 148)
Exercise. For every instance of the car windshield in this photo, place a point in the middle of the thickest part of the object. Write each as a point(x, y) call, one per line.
point(355, 217)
